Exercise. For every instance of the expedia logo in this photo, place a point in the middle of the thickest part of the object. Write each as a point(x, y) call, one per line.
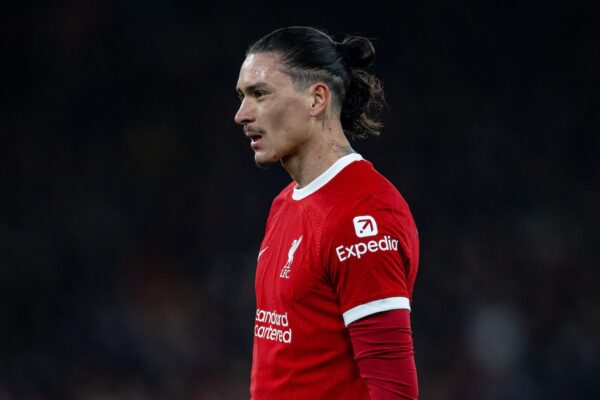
point(365, 226)
point(373, 246)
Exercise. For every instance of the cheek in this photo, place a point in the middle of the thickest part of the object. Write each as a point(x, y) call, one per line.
point(288, 118)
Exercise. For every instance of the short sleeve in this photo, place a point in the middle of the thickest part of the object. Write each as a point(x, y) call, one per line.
point(370, 258)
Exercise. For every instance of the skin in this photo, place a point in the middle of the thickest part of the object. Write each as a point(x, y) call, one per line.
point(299, 128)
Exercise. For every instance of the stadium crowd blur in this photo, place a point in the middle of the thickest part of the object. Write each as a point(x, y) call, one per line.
point(131, 211)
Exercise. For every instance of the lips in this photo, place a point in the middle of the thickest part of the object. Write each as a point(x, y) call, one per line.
point(254, 136)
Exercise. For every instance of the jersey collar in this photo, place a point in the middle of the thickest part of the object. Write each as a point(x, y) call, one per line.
point(329, 174)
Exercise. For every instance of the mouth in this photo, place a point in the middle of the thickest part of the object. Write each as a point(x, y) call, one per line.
point(255, 138)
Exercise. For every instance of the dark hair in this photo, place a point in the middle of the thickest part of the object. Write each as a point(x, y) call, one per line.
point(310, 55)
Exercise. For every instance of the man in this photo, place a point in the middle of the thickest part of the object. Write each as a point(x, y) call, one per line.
point(338, 261)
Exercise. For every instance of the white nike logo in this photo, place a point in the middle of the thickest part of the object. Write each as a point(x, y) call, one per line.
point(262, 251)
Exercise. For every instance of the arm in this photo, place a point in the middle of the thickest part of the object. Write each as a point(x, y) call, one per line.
point(383, 350)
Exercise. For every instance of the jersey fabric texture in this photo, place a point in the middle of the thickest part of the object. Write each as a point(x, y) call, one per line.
point(342, 248)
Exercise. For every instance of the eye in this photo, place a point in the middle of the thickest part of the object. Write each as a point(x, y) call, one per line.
point(240, 95)
point(259, 93)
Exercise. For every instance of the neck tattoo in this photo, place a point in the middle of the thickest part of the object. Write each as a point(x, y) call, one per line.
point(340, 149)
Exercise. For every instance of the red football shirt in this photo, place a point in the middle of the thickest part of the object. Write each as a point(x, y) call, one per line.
point(341, 248)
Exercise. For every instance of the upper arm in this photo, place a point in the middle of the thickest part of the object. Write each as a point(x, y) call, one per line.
point(369, 250)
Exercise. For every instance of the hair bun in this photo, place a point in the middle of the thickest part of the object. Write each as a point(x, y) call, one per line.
point(358, 51)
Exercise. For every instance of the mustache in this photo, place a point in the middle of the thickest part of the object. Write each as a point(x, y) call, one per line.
point(254, 130)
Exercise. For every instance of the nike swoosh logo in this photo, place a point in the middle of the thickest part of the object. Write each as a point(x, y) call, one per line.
point(261, 252)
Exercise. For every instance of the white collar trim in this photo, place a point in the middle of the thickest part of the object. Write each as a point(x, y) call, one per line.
point(329, 174)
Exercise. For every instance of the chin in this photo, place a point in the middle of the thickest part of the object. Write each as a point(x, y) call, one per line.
point(261, 165)
point(263, 160)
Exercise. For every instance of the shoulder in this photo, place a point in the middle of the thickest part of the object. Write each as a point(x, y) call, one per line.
point(284, 195)
point(365, 202)
point(361, 186)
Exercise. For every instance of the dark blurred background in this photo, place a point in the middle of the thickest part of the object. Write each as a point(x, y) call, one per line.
point(131, 210)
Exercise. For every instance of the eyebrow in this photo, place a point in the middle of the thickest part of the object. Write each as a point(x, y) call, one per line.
point(259, 85)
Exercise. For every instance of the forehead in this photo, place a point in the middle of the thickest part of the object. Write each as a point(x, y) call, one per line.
point(262, 68)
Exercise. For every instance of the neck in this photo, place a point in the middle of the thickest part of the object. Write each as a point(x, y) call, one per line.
point(317, 155)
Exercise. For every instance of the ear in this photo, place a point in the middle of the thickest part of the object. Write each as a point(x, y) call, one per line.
point(320, 95)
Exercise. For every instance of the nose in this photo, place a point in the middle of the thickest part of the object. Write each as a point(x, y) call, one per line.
point(245, 113)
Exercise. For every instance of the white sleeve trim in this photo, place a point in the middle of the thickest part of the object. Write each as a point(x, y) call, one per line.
point(391, 303)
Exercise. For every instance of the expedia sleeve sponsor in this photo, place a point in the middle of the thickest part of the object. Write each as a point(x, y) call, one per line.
point(271, 325)
point(359, 249)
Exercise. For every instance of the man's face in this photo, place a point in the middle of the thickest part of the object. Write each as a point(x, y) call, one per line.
point(274, 114)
